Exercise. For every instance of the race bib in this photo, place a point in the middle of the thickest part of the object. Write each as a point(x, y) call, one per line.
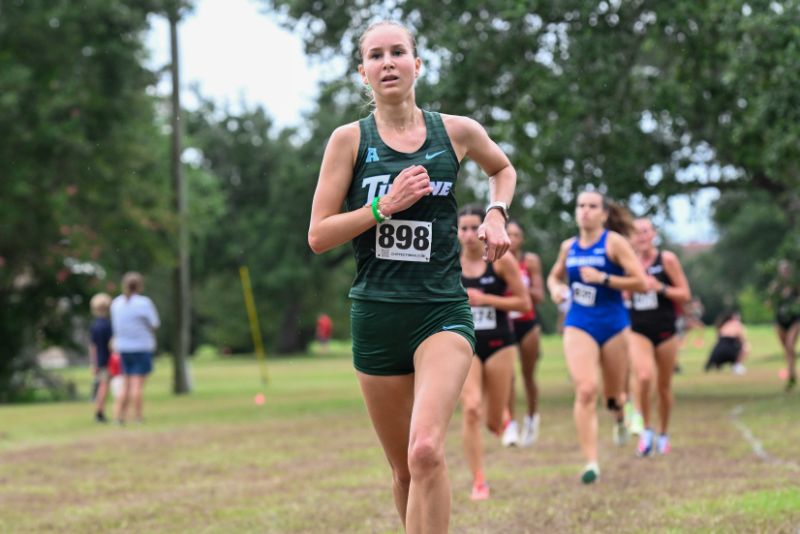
point(484, 317)
point(645, 301)
point(583, 294)
point(404, 240)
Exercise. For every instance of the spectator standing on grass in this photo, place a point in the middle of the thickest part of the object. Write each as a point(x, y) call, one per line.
point(134, 319)
point(100, 351)
point(324, 331)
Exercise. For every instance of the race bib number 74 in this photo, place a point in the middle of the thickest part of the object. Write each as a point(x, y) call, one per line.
point(404, 240)
point(484, 317)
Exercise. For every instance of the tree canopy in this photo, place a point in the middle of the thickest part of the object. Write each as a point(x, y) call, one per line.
point(646, 99)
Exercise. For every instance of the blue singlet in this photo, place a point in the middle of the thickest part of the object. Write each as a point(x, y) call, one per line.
point(596, 309)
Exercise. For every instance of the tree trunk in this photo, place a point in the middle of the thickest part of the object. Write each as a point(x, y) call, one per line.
point(181, 276)
point(291, 339)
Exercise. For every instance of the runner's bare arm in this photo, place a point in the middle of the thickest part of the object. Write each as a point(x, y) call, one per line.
point(558, 273)
point(679, 290)
point(471, 140)
point(534, 266)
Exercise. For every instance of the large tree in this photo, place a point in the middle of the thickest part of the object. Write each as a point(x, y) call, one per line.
point(267, 176)
point(646, 99)
point(83, 194)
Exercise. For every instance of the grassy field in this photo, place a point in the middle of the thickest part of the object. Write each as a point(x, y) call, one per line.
point(308, 460)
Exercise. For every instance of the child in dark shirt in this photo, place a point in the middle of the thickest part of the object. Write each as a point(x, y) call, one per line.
point(100, 351)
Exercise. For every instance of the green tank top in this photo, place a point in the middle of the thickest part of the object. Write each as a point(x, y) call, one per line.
point(414, 257)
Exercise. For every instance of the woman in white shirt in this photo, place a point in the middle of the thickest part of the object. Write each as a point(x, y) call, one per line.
point(134, 320)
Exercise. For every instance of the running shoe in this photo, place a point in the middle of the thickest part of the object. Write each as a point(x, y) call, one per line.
point(645, 447)
point(510, 435)
point(636, 426)
point(628, 410)
point(590, 473)
point(620, 432)
point(663, 444)
point(530, 430)
point(791, 383)
point(100, 417)
point(480, 492)
point(739, 369)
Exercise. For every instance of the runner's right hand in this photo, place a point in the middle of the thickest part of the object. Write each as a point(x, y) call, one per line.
point(408, 187)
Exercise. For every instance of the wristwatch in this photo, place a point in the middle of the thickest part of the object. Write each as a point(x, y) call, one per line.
point(498, 205)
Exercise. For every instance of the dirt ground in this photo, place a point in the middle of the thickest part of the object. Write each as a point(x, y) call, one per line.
point(321, 470)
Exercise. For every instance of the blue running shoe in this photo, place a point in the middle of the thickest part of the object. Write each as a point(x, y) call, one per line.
point(663, 446)
point(645, 447)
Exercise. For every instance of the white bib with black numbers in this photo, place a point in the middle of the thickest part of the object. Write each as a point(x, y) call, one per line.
point(645, 301)
point(404, 240)
point(484, 317)
point(583, 294)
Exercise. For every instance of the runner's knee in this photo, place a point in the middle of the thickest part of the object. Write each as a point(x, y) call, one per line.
point(472, 413)
point(424, 458)
point(586, 393)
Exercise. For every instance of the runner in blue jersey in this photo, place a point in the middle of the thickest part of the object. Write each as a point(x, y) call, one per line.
point(598, 264)
point(387, 184)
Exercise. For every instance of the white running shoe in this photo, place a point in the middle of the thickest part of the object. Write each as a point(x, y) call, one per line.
point(510, 435)
point(739, 369)
point(636, 426)
point(620, 432)
point(530, 430)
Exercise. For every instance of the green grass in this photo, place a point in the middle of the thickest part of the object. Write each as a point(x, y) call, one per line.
point(308, 460)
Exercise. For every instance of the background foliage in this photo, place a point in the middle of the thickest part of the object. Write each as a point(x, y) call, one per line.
point(645, 100)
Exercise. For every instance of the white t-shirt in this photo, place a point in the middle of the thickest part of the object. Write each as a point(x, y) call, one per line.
point(134, 321)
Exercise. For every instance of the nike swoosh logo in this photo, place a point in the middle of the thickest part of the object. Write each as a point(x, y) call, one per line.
point(452, 327)
point(431, 156)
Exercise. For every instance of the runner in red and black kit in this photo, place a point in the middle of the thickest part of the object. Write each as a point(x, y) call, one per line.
point(493, 289)
point(526, 331)
point(653, 343)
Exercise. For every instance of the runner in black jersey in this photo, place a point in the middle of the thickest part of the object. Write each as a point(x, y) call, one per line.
point(413, 339)
point(494, 289)
point(784, 294)
point(654, 345)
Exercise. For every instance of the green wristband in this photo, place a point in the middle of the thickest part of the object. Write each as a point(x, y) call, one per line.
point(375, 212)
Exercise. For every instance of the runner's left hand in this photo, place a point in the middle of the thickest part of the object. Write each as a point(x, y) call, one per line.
point(493, 233)
point(475, 296)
